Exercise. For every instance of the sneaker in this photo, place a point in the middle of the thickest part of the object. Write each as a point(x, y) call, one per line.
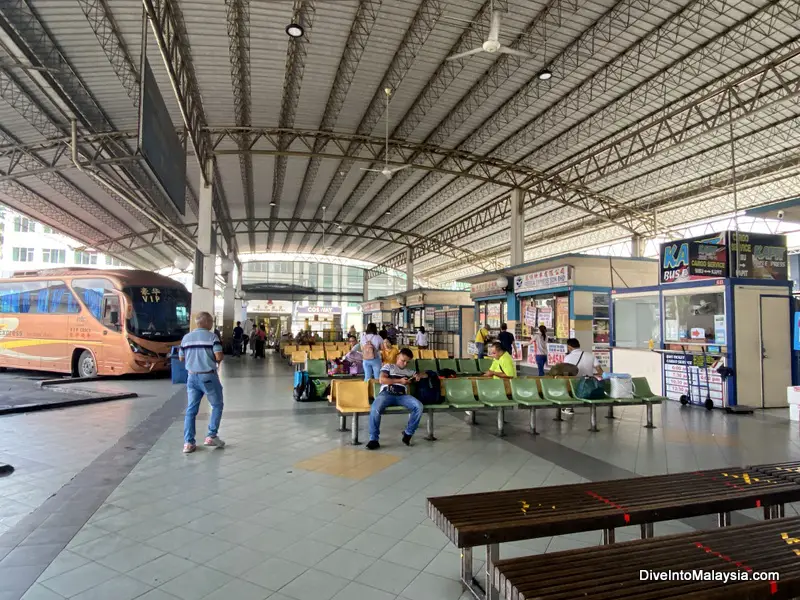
point(568, 411)
point(373, 445)
point(406, 439)
point(215, 442)
point(189, 448)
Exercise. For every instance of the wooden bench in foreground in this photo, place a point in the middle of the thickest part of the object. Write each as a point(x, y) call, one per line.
point(762, 550)
point(491, 518)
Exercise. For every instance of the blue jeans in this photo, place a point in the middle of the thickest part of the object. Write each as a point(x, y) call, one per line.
point(198, 385)
point(372, 369)
point(385, 400)
point(541, 361)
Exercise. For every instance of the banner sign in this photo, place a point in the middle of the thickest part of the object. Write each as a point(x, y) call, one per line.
point(371, 307)
point(542, 280)
point(516, 351)
point(486, 289)
point(556, 353)
point(760, 256)
point(562, 318)
point(319, 310)
point(694, 258)
point(546, 316)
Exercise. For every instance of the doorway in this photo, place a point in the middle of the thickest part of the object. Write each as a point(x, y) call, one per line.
point(774, 333)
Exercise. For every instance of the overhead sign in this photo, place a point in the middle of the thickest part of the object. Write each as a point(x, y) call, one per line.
point(759, 256)
point(542, 280)
point(486, 289)
point(694, 258)
point(319, 310)
point(371, 307)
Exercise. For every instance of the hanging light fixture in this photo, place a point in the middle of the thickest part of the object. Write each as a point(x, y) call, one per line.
point(294, 30)
point(545, 74)
point(501, 281)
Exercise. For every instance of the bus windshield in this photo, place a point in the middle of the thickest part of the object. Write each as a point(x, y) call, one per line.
point(158, 313)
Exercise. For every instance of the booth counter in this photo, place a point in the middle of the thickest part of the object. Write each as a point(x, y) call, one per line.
point(711, 338)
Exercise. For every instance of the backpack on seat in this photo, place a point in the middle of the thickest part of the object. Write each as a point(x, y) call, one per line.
point(429, 389)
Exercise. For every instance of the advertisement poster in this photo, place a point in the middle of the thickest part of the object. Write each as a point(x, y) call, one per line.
point(531, 356)
point(516, 351)
point(694, 258)
point(555, 354)
point(472, 348)
point(719, 330)
point(604, 358)
point(530, 316)
point(430, 314)
point(562, 317)
point(546, 317)
point(760, 256)
point(542, 280)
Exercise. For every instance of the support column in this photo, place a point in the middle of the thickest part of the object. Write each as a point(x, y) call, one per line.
point(517, 227)
point(409, 269)
point(637, 246)
point(228, 305)
point(203, 288)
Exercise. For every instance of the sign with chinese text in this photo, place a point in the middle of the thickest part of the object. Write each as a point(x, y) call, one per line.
point(542, 280)
point(486, 289)
point(562, 317)
point(556, 353)
point(371, 307)
point(150, 294)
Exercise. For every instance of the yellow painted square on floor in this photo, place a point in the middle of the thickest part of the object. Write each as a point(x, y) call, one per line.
point(348, 462)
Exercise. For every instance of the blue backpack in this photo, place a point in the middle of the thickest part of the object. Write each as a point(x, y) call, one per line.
point(429, 389)
point(302, 385)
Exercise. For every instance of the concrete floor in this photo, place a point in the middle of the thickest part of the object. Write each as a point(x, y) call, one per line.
point(104, 505)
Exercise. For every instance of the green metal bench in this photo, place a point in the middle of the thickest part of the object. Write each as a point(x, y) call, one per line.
point(592, 402)
point(525, 392)
point(492, 393)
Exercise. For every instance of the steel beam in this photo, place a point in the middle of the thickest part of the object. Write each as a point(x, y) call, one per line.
point(415, 37)
point(304, 11)
point(360, 31)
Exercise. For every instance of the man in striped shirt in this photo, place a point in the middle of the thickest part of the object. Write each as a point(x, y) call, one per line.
point(201, 350)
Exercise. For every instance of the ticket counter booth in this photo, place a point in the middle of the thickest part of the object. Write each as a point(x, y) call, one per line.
point(704, 337)
point(421, 307)
point(377, 311)
point(569, 295)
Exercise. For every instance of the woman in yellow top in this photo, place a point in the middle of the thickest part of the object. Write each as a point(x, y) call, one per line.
point(503, 366)
point(388, 352)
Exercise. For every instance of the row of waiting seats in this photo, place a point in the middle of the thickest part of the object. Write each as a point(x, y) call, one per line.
point(472, 394)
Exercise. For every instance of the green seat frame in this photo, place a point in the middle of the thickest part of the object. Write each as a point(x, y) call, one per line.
point(526, 393)
point(573, 385)
point(484, 364)
point(425, 364)
point(492, 392)
point(447, 363)
point(556, 392)
point(317, 368)
point(642, 391)
point(467, 366)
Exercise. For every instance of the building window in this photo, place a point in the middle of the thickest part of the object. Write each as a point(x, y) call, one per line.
point(22, 254)
point(113, 262)
point(47, 229)
point(24, 224)
point(85, 258)
point(52, 255)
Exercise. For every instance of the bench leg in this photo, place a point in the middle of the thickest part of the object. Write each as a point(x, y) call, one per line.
point(533, 422)
point(608, 536)
point(343, 423)
point(724, 519)
point(647, 530)
point(472, 417)
point(558, 414)
point(610, 414)
point(492, 556)
point(650, 417)
point(430, 437)
point(354, 432)
point(593, 418)
point(466, 569)
point(776, 511)
point(500, 422)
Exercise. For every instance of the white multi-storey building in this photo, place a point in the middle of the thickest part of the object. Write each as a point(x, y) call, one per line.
point(27, 245)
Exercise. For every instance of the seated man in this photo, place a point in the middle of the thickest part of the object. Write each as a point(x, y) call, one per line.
point(503, 366)
point(395, 378)
point(585, 362)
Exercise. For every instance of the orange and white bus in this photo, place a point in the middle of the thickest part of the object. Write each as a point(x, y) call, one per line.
point(91, 322)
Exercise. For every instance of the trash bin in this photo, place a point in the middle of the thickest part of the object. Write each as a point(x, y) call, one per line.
point(179, 373)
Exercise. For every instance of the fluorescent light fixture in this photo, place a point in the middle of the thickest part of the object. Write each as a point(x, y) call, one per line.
point(294, 30)
point(545, 74)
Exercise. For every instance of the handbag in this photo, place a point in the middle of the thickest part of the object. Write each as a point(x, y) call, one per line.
point(590, 388)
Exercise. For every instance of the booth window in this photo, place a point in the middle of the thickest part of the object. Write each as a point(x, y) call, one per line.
point(636, 322)
point(600, 329)
point(697, 318)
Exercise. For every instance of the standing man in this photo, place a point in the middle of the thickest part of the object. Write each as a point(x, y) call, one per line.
point(202, 352)
point(480, 340)
point(238, 335)
point(506, 338)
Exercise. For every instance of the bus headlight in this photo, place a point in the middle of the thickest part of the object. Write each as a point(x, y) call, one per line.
point(137, 349)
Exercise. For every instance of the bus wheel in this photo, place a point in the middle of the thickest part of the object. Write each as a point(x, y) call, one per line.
point(86, 365)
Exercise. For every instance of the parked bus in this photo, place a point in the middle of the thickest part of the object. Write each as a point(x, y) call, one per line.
point(91, 322)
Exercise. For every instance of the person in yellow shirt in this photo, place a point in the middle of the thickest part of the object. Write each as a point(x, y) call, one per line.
point(389, 352)
point(503, 366)
point(480, 340)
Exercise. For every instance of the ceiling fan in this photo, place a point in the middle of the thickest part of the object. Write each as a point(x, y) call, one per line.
point(492, 44)
point(386, 171)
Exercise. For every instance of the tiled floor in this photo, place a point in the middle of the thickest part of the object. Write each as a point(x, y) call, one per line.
point(288, 510)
